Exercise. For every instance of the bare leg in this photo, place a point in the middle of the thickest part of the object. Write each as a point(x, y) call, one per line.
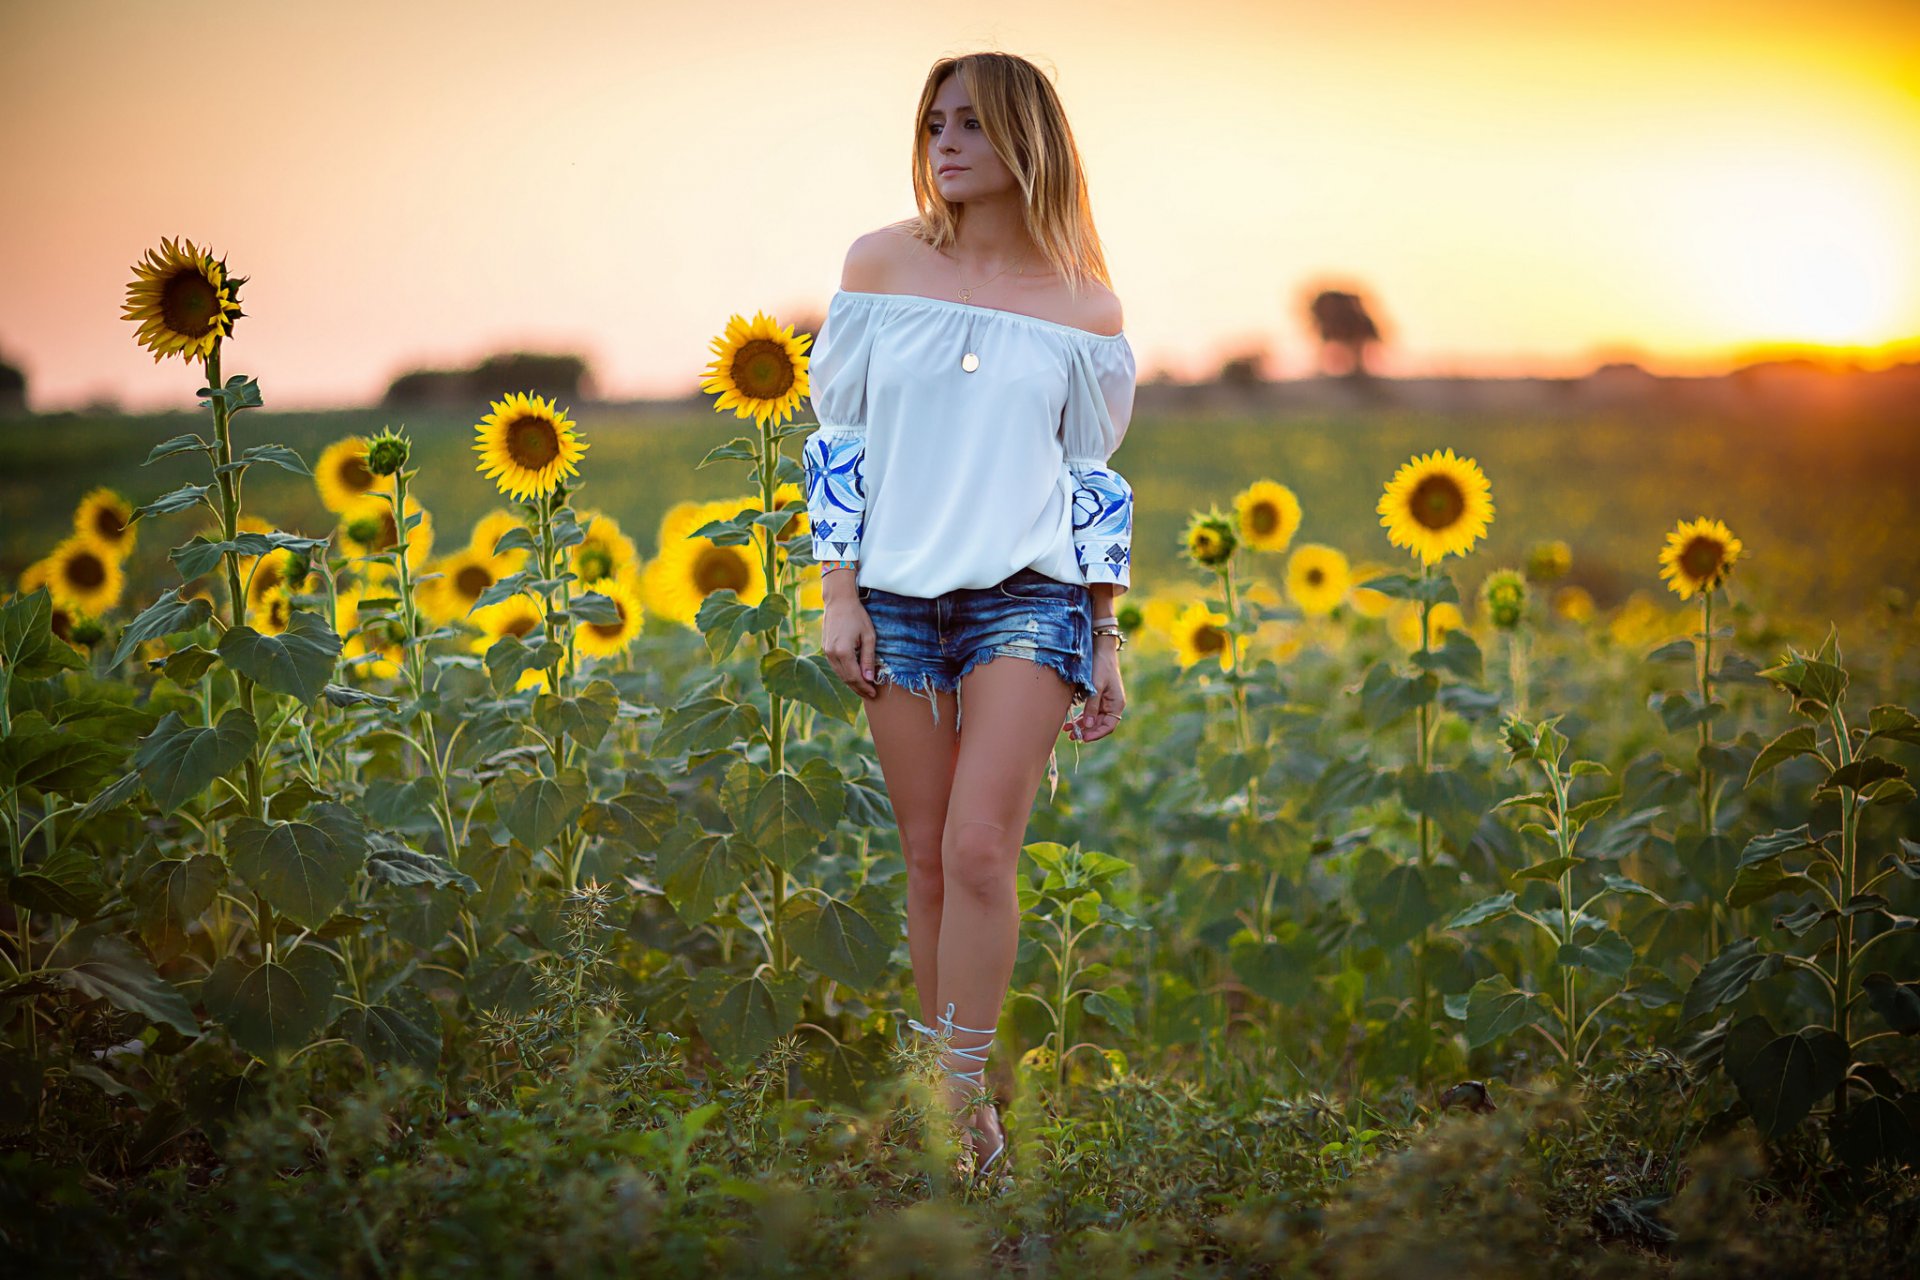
point(1015, 709)
point(917, 758)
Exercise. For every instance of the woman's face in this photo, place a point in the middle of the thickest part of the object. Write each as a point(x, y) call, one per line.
point(955, 137)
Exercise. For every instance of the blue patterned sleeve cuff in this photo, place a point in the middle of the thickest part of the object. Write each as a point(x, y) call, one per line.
point(835, 458)
point(1102, 522)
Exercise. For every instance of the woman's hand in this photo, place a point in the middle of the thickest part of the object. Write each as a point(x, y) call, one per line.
point(847, 638)
point(1101, 713)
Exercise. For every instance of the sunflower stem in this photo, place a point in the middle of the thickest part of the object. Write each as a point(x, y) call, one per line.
point(236, 595)
point(1422, 752)
point(765, 466)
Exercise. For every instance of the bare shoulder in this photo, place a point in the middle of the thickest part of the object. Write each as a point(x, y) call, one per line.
point(873, 258)
point(1098, 309)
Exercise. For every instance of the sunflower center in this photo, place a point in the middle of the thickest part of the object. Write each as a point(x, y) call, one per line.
point(719, 569)
point(610, 630)
point(389, 532)
point(518, 626)
point(190, 304)
point(1702, 557)
point(1315, 577)
point(61, 623)
point(1209, 639)
point(595, 562)
point(1437, 502)
point(109, 525)
point(471, 581)
point(532, 443)
point(762, 370)
point(354, 474)
point(1264, 517)
point(86, 571)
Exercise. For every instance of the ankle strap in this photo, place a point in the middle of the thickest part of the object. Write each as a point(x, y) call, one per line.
point(978, 1053)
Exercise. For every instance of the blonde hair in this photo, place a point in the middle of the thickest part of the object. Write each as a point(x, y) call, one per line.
point(1027, 128)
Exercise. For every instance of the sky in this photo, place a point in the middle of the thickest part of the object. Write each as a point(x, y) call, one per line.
point(1531, 187)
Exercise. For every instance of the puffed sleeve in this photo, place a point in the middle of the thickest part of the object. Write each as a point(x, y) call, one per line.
point(1098, 410)
point(835, 453)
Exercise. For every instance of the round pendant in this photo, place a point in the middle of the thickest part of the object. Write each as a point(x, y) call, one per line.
point(970, 362)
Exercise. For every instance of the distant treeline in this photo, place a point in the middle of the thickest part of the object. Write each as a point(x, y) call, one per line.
point(562, 376)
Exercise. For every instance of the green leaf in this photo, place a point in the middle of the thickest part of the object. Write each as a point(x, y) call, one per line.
point(169, 615)
point(1860, 774)
point(584, 718)
point(1896, 723)
point(783, 821)
point(812, 680)
point(276, 455)
point(1765, 880)
point(109, 798)
point(1495, 1009)
point(1673, 651)
point(37, 755)
point(1898, 1003)
point(1281, 970)
point(170, 894)
point(178, 444)
point(65, 883)
point(1873, 1131)
point(108, 967)
point(705, 724)
point(303, 869)
point(178, 762)
point(298, 662)
point(1768, 847)
point(544, 807)
point(834, 938)
point(1680, 710)
point(724, 621)
point(1580, 768)
point(1788, 1075)
point(185, 666)
point(1587, 810)
point(1607, 954)
point(1398, 907)
point(1549, 871)
point(1726, 977)
point(742, 1017)
point(510, 657)
point(391, 862)
point(1486, 909)
point(1621, 884)
point(1387, 698)
point(276, 1007)
point(1114, 1006)
point(385, 1034)
point(180, 499)
point(27, 644)
point(1798, 741)
point(1537, 799)
point(699, 869)
point(1457, 654)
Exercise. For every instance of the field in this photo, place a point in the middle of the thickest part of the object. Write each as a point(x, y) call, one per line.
point(351, 933)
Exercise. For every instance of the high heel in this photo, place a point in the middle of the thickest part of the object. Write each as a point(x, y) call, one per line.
point(976, 1077)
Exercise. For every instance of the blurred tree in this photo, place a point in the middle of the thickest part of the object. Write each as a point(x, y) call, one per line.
point(1344, 325)
point(1245, 371)
point(563, 376)
point(13, 391)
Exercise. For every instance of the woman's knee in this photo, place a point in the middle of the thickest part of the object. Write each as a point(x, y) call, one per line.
point(920, 845)
point(979, 859)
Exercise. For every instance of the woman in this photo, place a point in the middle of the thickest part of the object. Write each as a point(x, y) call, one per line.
point(971, 380)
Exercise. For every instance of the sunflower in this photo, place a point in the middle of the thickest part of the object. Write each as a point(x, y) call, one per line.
point(604, 552)
point(526, 445)
point(84, 576)
point(367, 529)
point(681, 519)
point(605, 639)
point(1547, 561)
point(759, 369)
point(1200, 633)
point(518, 616)
point(1268, 515)
point(1436, 505)
point(278, 570)
point(107, 518)
point(1503, 594)
point(1367, 602)
point(1575, 604)
point(487, 532)
point(183, 301)
point(342, 475)
point(271, 612)
point(1209, 539)
point(1403, 621)
point(688, 569)
point(1317, 578)
point(464, 577)
point(1698, 556)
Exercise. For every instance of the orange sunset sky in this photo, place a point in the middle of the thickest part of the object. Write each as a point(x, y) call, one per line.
point(1519, 187)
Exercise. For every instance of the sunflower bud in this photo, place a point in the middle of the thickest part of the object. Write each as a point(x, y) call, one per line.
point(386, 453)
point(1130, 617)
point(87, 632)
point(365, 530)
point(1503, 593)
point(1210, 540)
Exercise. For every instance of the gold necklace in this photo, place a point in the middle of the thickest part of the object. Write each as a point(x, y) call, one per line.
point(971, 360)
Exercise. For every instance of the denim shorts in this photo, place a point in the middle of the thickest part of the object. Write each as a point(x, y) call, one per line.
point(924, 643)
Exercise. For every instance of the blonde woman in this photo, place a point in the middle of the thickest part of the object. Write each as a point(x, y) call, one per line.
point(971, 379)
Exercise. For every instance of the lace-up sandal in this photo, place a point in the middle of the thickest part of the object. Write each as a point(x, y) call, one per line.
point(976, 1077)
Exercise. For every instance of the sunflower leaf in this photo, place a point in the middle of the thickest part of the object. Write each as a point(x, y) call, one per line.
point(27, 642)
point(595, 609)
point(511, 585)
point(298, 662)
point(178, 761)
point(241, 392)
point(278, 455)
point(179, 500)
point(179, 444)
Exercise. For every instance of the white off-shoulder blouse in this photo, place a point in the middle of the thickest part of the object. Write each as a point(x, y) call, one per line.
point(959, 444)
